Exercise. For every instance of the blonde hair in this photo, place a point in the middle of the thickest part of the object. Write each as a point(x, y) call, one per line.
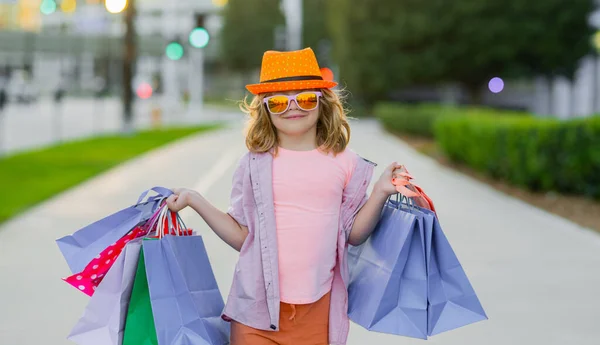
point(333, 129)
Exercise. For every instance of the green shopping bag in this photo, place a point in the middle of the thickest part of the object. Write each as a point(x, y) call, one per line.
point(139, 324)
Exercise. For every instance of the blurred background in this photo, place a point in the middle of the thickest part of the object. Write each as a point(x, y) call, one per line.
point(507, 54)
point(526, 74)
point(474, 96)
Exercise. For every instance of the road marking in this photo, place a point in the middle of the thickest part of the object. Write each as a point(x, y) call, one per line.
point(218, 169)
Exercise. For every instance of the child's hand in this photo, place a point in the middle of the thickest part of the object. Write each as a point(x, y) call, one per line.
point(384, 185)
point(180, 199)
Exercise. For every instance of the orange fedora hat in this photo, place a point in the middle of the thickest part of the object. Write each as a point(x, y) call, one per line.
point(293, 70)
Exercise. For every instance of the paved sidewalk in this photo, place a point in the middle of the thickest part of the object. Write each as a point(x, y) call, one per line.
point(536, 274)
point(24, 127)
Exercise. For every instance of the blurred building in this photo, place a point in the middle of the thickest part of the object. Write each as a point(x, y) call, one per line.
point(79, 43)
point(19, 15)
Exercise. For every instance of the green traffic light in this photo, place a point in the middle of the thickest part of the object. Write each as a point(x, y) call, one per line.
point(48, 7)
point(199, 38)
point(174, 51)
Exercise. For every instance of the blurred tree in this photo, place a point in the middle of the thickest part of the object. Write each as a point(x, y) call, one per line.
point(510, 38)
point(248, 31)
point(381, 46)
point(400, 42)
point(315, 32)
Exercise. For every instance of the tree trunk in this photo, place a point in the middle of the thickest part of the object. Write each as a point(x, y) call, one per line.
point(475, 94)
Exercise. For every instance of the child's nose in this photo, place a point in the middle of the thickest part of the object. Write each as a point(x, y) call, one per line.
point(293, 104)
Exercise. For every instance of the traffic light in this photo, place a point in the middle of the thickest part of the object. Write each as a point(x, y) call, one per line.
point(199, 36)
point(174, 50)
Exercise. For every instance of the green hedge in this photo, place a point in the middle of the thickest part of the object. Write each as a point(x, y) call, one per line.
point(420, 119)
point(540, 154)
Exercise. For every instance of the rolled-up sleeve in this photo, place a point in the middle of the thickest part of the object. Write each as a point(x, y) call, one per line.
point(236, 203)
point(351, 198)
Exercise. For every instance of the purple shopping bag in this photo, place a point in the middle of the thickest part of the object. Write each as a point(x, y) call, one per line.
point(186, 301)
point(103, 320)
point(83, 245)
point(388, 281)
point(452, 301)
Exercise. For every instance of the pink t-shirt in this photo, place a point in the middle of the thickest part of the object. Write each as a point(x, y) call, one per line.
point(307, 192)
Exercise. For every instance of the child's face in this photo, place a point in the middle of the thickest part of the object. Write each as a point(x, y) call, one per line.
point(295, 120)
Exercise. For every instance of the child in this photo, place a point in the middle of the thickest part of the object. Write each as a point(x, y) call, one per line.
point(298, 199)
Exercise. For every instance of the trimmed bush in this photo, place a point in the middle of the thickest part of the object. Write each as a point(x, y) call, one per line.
point(420, 119)
point(536, 153)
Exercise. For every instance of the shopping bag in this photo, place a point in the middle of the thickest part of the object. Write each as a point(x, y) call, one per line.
point(186, 301)
point(139, 323)
point(452, 301)
point(86, 243)
point(103, 320)
point(387, 291)
point(92, 275)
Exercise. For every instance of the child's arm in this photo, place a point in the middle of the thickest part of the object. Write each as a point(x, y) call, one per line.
point(367, 217)
point(227, 228)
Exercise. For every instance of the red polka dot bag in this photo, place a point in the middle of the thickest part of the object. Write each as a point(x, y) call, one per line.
point(88, 280)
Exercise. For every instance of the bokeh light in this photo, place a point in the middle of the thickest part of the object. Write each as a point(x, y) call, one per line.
point(596, 40)
point(174, 51)
point(68, 6)
point(496, 85)
point(144, 91)
point(220, 3)
point(48, 7)
point(115, 6)
point(199, 38)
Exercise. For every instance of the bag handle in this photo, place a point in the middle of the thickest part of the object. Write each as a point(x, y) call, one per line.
point(154, 219)
point(409, 189)
point(162, 193)
point(166, 217)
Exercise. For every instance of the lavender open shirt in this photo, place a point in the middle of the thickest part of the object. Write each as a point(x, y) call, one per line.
point(254, 296)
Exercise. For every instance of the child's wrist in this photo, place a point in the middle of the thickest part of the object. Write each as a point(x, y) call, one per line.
point(379, 193)
point(190, 197)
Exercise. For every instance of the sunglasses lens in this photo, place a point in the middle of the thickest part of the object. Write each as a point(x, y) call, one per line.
point(307, 100)
point(277, 104)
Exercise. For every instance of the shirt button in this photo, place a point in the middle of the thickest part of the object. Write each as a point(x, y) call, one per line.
point(273, 327)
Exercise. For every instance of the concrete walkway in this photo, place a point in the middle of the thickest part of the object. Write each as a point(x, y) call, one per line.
point(537, 275)
point(26, 127)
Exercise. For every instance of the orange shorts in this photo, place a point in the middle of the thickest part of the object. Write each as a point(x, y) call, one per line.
point(299, 324)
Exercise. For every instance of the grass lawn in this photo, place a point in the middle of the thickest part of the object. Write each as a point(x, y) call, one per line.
point(32, 177)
